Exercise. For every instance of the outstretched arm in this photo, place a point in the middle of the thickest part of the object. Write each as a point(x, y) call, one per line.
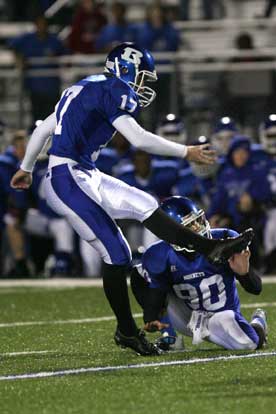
point(23, 178)
point(155, 144)
point(37, 141)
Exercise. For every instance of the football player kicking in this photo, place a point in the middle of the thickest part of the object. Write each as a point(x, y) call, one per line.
point(201, 297)
point(84, 121)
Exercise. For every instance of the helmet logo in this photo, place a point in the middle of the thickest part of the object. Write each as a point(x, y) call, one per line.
point(132, 55)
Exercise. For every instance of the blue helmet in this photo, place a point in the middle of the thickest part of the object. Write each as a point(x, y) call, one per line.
point(134, 65)
point(184, 211)
point(224, 131)
point(268, 134)
point(172, 128)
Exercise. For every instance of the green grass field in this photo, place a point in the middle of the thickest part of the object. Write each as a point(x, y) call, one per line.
point(46, 330)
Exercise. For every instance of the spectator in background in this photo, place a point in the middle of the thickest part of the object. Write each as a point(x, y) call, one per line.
point(247, 94)
point(13, 205)
point(117, 31)
point(49, 235)
point(144, 175)
point(157, 34)
point(269, 7)
point(210, 9)
point(114, 157)
point(155, 180)
point(87, 23)
point(244, 41)
point(265, 190)
point(235, 203)
point(44, 90)
point(25, 10)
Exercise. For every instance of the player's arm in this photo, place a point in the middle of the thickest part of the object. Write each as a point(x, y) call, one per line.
point(23, 178)
point(155, 144)
point(251, 282)
point(154, 305)
point(245, 274)
point(151, 299)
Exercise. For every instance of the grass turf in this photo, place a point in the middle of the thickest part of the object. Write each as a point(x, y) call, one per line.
point(239, 386)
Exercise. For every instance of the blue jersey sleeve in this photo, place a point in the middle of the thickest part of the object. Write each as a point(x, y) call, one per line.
point(120, 100)
point(156, 262)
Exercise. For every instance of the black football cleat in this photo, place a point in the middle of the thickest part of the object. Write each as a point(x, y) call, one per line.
point(138, 343)
point(227, 247)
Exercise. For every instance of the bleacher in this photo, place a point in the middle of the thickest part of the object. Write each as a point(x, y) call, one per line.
point(207, 47)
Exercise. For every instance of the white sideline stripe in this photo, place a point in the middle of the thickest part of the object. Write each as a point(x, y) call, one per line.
point(77, 371)
point(73, 283)
point(107, 318)
point(63, 322)
point(10, 354)
point(51, 283)
point(258, 305)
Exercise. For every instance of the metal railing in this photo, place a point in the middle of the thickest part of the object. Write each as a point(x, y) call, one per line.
point(188, 74)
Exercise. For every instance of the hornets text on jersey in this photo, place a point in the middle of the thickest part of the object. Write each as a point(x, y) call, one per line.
point(202, 285)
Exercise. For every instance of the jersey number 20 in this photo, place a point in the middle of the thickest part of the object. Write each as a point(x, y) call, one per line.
point(210, 292)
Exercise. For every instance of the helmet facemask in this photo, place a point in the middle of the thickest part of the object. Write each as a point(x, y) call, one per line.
point(197, 223)
point(145, 93)
point(173, 129)
point(268, 140)
point(221, 141)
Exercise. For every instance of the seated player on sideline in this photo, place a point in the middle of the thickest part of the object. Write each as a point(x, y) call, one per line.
point(85, 120)
point(201, 297)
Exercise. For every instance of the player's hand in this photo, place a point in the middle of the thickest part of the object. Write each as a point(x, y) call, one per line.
point(155, 326)
point(201, 154)
point(21, 180)
point(239, 262)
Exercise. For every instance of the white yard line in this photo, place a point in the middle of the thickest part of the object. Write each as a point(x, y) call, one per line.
point(62, 322)
point(77, 371)
point(51, 283)
point(73, 282)
point(107, 318)
point(258, 305)
point(11, 354)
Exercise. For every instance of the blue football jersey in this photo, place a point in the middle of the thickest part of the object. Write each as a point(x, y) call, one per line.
point(85, 114)
point(265, 185)
point(259, 155)
point(232, 183)
point(9, 198)
point(187, 184)
point(159, 183)
point(111, 162)
point(201, 284)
